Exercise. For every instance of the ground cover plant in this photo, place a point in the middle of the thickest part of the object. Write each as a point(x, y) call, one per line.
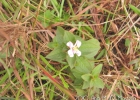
point(69, 49)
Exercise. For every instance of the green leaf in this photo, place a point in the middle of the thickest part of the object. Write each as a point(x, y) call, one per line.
point(86, 85)
point(4, 78)
point(97, 82)
point(78, 81)
point(90, 48)
point(71, 61)
point(56, 6)
point(78, 38)
point(48, 14)
point(68, 37)
point(127, 42)
point(137, 60)
point(52, 45)
point(86, 77)
point(96, 71)
point(83, 65)
point(59, 35)
point(135, 9)
point(88, 28)
point(77, 73)
point(6, 67)
point(101, 54)
point(57, 54)
point(7, 5)
point(3, 55)
point(80, 91)
point(46, 18)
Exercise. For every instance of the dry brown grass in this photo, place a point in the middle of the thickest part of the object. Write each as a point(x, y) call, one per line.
point(26, 39)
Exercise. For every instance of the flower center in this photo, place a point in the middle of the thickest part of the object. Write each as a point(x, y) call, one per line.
point(75, 48)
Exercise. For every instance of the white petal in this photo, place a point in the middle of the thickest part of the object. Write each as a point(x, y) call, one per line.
point(70, 53)
point(78, 43)
point(70, 44)
point(78, 53)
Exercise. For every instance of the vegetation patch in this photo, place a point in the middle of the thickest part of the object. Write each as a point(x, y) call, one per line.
point(69, 49)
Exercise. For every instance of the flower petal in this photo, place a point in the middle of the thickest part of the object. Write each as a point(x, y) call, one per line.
point(78, 43)
point(70, 53)
point(78, 53)
point(70, 44)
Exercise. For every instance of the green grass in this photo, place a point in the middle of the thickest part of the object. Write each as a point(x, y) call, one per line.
point(27, 27)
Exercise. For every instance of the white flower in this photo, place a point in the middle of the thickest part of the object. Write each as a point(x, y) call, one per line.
point(74, 48)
